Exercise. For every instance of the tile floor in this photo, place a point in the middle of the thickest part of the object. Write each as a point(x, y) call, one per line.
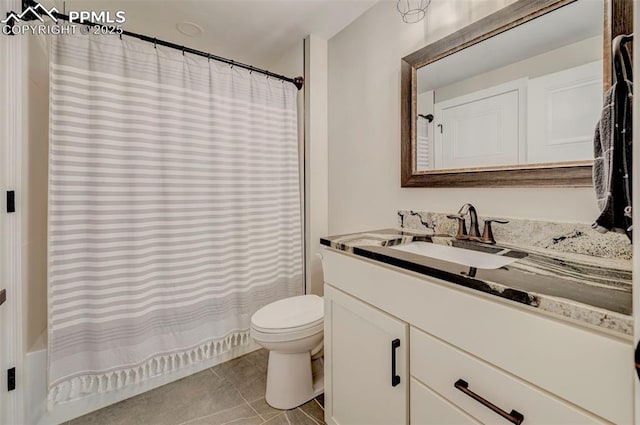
point(230, 393)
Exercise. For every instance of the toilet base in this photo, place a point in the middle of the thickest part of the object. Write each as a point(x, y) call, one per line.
point(291, 380)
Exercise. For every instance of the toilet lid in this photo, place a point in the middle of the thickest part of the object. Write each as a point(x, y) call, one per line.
point(288, 313)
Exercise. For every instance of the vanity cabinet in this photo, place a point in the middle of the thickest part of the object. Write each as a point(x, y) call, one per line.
point(365, 363)
point(473, 357)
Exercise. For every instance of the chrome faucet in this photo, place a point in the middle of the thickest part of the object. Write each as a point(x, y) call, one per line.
point(474, 232)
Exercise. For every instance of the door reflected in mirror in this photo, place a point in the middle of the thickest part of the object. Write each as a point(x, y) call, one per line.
point(530, 95)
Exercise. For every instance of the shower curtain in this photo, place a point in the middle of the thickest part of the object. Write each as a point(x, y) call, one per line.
point(424, 150)
point(174, 209)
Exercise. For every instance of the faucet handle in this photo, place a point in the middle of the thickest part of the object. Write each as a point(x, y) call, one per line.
point(462, 227)
point(487, 233)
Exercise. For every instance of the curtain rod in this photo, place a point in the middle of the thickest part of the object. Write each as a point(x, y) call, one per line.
point(297, 81)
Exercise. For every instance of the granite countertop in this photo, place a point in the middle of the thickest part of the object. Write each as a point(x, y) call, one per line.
point(577, 287)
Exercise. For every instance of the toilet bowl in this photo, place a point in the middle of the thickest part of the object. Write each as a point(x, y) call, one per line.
point(292, 330)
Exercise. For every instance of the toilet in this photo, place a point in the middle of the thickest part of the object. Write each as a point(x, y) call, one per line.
point(292, 330)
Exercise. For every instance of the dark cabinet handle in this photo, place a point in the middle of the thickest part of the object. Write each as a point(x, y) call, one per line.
point(514, 417)
point(395, 378)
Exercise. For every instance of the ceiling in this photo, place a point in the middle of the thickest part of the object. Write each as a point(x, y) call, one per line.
point(258, 32)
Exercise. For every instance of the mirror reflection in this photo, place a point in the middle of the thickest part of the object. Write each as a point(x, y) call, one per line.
point(529, 95)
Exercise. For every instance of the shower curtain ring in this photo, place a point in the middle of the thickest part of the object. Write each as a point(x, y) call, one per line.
point(232, 63)
point(155, 40)
point(208, 57)
point(182, 50)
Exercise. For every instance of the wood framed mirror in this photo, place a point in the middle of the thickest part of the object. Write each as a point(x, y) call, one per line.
point(512, 99)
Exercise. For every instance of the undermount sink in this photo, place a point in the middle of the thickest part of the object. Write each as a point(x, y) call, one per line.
point(465, 257)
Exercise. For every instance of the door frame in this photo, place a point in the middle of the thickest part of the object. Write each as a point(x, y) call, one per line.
point(636, 208)
point(13, 89)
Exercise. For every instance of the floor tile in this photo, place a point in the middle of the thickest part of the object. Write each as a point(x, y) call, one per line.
point(122, 413)
point(313, 409)
point(264, 410)
point(241, 415)
point(245, 376)
point(231, 393)
point(297, 417)
point(199, 395)
point(281, 419)
point(193, 397)
point(253, 390)
point(259, 358)
point(239, 370)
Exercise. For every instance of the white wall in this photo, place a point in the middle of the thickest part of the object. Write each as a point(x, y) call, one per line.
point(35, 171)
point(316, 157)
point(570, 56)
point(424, 102)
point(364, 128)
point(291, 63)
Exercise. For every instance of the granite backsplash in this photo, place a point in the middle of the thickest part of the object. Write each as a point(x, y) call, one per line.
point(570, 238)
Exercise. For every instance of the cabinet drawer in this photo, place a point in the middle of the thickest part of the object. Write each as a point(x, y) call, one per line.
point(428, 408)
point(440, 366)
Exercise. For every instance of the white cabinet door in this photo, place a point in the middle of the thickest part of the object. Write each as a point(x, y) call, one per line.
point(481, 129)
point(366, 363)
point(563, 110)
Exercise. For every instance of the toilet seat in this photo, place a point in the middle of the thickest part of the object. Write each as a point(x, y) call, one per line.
point(286, 335)
point(289, 319)
point(292, 313)
point(309, 326)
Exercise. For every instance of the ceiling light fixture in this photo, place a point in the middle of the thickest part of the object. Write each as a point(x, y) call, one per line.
point(413, 11)
point(189, 29)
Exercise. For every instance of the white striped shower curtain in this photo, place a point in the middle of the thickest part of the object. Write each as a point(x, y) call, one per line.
point(424, 147)
point(174, 209)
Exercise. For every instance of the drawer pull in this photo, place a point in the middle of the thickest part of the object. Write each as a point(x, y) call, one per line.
point(514, 417)
point(395, 378)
